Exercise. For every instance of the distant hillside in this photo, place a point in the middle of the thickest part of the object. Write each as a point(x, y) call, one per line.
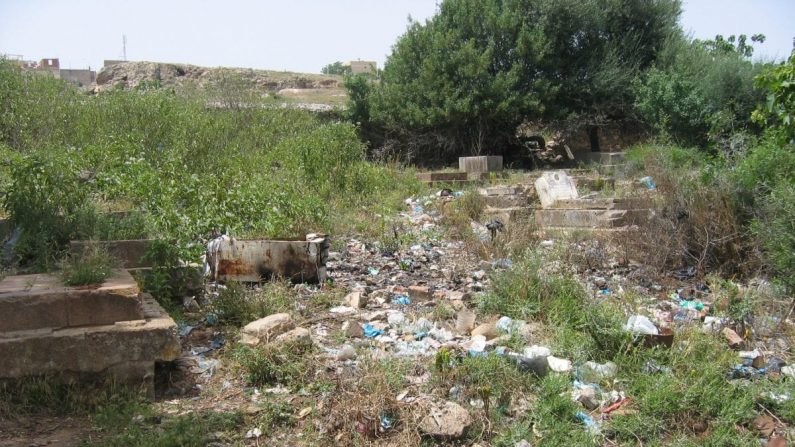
point(130, 74)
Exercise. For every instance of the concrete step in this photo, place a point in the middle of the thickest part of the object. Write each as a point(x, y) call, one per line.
point(588, 218)
point(507, 215)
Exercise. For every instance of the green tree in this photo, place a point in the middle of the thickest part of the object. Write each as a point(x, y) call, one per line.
point(461, 82)
point(700, 93)
point(336, 68)
point(779, 109)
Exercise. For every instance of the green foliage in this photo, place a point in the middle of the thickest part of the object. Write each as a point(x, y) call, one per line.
point(237, 306)
point(524, 292)
point(93, 266)
point(779, 109)
point(336, 68)
point(700, 92)
point(283, 363)
point(775, 228)
point(359, 89)
point(188, 168)
point(188, 430)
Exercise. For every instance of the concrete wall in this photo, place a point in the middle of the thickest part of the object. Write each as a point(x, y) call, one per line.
point(363, 67)
point(109, 62)
point(80, 78)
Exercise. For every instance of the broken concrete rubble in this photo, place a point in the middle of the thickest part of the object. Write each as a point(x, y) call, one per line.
point(447, 420)
point(266, 329)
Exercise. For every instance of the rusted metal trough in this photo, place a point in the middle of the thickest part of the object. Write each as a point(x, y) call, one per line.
point(254, 260)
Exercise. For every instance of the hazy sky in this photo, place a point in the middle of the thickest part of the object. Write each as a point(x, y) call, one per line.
point(295, 35)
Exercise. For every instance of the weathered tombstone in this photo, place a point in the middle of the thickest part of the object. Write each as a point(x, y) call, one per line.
point(553, 186)
point(480, 165)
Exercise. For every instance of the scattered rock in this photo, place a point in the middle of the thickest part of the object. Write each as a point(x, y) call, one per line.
point(356, 300)
point(419, 292)
point(465, 321)
point(777, 441)
point(587, 397)
point(299, 336)
point(765, 425)
point(447, 420)
point(265, 329)
point(352, 329)
point(455, 295)
point(488, 330)
point(347, 352)
point(735, 341)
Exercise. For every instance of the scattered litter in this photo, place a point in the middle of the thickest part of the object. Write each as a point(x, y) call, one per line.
point(371, 332)
point(685, 274)
point(342, 310)
point(648, 182)
point(254, 433)
point(638, 324)
point(589, 422)
point(592, 372)
point(186, 329)
point(559, 365)
point(537, 351)
point(401, 300)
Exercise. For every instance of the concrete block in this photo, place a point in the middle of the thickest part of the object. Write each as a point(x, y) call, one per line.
point(127, 349)
point(262, 259)
point(488, 163)
point(43, 301)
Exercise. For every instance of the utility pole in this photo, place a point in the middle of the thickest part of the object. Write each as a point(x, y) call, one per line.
point(124, 46)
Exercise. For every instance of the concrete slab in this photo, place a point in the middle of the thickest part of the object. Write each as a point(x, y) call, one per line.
point(262, 259)
point(442, 176)
point(43, 301)
point(124, 350)
point(130, 253)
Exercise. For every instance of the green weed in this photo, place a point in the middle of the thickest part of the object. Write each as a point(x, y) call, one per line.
point(93, 266)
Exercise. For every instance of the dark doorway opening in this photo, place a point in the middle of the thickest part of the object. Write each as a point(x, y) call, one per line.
point(593, 136)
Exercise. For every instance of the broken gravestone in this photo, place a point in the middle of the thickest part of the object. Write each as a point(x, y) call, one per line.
point(553, 186)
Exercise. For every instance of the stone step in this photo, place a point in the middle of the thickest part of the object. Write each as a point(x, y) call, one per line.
point(588, 218)
point(506, 201)
point(43, 301)
point(507, 215)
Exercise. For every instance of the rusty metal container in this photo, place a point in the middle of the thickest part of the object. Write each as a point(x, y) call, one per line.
point(255, 260)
